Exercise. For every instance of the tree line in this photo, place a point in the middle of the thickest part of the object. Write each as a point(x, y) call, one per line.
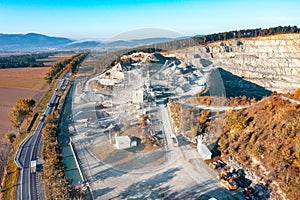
point(246, 33)
point(28, 60)
point(108, 60)
point(70, 63)
point(76, 61)
point(237, 34)
point(57, 185)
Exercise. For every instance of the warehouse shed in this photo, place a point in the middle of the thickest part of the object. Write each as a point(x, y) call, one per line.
point(123, 142)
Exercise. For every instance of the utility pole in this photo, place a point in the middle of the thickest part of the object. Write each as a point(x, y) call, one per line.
point(109, 129)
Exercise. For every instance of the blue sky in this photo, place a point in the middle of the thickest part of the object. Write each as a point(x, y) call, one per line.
point(107, 18)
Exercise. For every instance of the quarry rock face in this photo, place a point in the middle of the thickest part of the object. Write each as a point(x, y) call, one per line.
point(272, 62)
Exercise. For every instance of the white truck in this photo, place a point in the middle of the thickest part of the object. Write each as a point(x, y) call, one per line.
point(174, 140)
point(33, 166)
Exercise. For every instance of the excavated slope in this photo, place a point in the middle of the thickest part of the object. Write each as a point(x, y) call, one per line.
point(272, 62)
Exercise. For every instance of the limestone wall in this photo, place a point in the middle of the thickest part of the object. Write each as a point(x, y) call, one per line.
point(272, 62)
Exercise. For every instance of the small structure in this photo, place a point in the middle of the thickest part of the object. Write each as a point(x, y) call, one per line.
point(123, 142)
point(138, 96)
point(203, 150)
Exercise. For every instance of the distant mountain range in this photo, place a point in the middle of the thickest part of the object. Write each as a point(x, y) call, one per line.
point(30, 41)
point(38, 42)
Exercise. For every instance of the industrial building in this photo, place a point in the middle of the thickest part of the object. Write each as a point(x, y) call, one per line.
point(123, 142)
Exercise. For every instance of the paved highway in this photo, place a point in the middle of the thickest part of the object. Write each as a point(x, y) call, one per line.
point(30, 149)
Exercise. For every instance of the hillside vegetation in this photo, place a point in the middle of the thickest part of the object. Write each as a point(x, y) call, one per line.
point(266, 138)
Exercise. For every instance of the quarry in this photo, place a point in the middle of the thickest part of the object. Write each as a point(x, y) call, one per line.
point(124, 120)
point(271, 62)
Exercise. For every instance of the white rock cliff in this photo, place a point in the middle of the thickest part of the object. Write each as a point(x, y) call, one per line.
point(272, 62)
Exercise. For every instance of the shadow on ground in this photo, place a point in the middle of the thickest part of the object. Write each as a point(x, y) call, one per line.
point(108, 173)
point(150, 188)
point(137, 161)
point(153, 189)
point(101, 192)
point(235, 86)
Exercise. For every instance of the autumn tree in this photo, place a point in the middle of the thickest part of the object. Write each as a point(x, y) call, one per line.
point(16, 118)
point(48, 77)
point(25, 104)
point(20, 111)
point(10, 137)
point(51, 119)
point(57, 185)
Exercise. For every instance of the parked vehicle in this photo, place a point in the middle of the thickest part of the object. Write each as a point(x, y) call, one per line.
point(227, 179)
point(42, 117)
point(217, 164)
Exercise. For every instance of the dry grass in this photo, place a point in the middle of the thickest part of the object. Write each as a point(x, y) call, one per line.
point(48, 62)
point(269, 143)
point(13, 94)
point(9, 187)
point(27, 78)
